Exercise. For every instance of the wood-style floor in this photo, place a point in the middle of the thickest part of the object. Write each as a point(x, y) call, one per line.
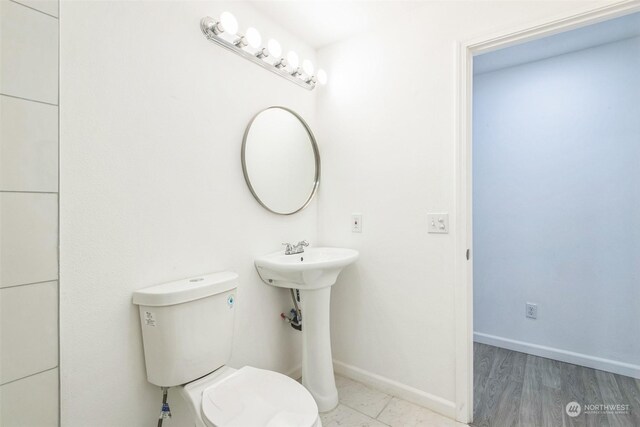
point(516, 389)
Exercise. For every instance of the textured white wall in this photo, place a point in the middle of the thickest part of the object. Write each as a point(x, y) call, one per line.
point(152, 119)
point(387, 123)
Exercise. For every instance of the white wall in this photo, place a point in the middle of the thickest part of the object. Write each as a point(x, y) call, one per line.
point(28, 213)
point(152, 118)
point(556, 205)
point(387, 124)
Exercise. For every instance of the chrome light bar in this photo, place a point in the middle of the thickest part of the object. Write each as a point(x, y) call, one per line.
point(248, 47)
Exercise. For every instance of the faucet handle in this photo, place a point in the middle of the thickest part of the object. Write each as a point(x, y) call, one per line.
point(303, 243)
point(288, 248)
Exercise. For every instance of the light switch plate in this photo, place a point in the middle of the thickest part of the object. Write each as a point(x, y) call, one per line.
point(438, 222)
point(356, 223)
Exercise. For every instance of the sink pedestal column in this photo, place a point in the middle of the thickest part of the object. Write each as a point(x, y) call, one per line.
point(317, 362)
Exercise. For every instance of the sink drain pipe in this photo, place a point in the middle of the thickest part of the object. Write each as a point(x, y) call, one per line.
point(295, 317)
point(295, 303)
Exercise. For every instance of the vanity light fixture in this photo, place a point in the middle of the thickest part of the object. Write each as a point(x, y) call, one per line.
point(253, 37)
point(292, 59)
point(280, 63)
point(241, 41)
point(262, 53)
point(322, 76)
point(224, 32)
point(229, 23)
point(274, 48)
point(211, 26)
point(307, 66)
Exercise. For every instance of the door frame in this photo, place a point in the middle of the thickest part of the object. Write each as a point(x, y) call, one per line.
point(463, 290)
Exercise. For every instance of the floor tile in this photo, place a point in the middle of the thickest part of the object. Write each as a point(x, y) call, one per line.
point(400, 413)
point(346, 417)
point(360, 397)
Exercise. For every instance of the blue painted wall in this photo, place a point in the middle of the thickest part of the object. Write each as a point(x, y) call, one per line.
point(556, 210)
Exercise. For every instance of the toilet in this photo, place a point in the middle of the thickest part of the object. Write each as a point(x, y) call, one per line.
point(187, 332)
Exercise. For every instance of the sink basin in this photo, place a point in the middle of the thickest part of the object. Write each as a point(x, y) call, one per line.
point(315, 268)
point(313, 272)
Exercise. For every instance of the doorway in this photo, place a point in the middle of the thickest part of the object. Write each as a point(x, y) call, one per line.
point(510, 359)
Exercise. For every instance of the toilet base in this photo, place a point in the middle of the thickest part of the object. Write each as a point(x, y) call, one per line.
point(266, 397)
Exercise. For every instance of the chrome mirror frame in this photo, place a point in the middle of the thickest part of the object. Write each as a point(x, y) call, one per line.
point(316, 154)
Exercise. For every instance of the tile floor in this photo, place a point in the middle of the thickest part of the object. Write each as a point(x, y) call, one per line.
point(363, 406)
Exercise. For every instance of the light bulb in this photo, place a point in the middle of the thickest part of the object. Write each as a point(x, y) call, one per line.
point(322, 77)
point(253, 37)
point(229, 23)
point(307, 66)
point(292, 59)
point(274, 48)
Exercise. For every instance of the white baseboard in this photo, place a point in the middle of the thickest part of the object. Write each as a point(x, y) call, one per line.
point(607, 365)
point(295, 372)
point(435, 403)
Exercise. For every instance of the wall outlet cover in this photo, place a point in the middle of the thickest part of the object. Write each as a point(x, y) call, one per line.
point(356, 223)
point(532, 310)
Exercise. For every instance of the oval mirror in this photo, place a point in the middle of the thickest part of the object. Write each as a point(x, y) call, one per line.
point(280, 160)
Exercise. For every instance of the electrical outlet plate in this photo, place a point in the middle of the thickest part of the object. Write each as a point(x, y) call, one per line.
point(438, 222)
point(356, 223)
point(531, 310)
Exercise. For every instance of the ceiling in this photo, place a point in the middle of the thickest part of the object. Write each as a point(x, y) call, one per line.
point(322, 22)
point(570, 41)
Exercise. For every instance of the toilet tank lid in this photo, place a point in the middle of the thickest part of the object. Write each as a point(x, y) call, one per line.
point(185, 290)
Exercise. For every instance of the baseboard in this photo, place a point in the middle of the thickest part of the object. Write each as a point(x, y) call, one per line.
point(607, 365)
point(295, 372)
point(435, 403)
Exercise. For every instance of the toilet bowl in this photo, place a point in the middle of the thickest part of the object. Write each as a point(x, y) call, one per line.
point(249, 397)
point(187, 332)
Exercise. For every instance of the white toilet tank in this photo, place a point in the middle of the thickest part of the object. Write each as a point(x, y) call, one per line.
point(187, 327)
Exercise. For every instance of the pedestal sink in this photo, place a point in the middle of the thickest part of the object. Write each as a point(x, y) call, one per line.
point(313, 272)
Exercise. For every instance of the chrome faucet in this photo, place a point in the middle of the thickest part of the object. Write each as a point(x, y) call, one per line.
point(295, 249)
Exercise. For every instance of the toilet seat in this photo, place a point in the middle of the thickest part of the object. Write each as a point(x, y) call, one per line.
point(256, 397)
